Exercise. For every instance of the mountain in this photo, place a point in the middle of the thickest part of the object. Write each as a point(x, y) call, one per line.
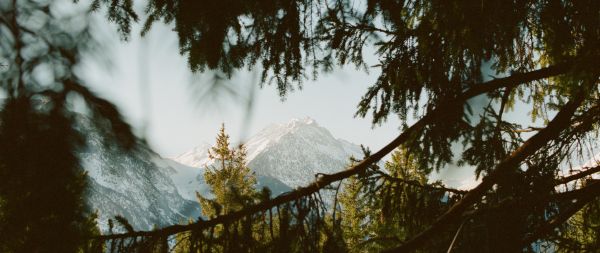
point(283, 156)
point(296, 151)
point(150, 191)
point(132, 183)
point(196, 157)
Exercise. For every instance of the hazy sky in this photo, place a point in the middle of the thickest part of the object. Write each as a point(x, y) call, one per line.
point(179, 116)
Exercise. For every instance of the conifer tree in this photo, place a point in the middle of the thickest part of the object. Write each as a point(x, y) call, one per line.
point(231, 182)
point(43, 187)
point(372, 224)
point(354, 213)
point(232, 185)
point(40, 194)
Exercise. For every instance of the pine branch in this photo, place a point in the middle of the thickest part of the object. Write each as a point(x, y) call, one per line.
point(592, 192)
point(588, 171)
point(325, 180)
point(417, 184)
point(528, 130)
point(592, 189)
point(560, 122)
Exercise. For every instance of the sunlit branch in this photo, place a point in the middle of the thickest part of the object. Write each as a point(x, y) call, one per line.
point(528, 130)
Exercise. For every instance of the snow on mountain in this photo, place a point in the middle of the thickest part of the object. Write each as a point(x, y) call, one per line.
point(131, 184)
point(196, 158)
point(150, 191)
point(296, 151)
point(188, 180)
point(283, 156)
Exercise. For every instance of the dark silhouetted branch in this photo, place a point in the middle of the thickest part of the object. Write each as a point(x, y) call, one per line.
point(591, 189)
point(592, 192)
point(561, 121)
point(588, 171)
point(424, 186)
point(325, 180)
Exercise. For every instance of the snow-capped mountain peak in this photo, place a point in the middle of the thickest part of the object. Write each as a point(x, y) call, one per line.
point(196, 157)
point(294, 152)
point(306, 127)
point(291, 152)
point(300, 122)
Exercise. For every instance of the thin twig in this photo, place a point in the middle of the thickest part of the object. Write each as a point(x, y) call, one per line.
point(417, 184)
point(455, 236)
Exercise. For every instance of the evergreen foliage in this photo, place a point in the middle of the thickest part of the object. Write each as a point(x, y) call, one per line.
point(404, 206)
point(433, 57)
point(42, 185)
point(40, 193)
point(232, 183)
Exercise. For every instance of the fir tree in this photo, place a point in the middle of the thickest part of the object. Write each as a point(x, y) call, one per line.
point(40, 194)
point(231, 182)
point(373, 224)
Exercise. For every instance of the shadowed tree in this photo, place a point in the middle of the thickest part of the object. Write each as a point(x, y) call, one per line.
point(42, 185)
point(40, 194)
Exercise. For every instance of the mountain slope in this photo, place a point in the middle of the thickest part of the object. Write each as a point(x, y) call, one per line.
point(131, 184)
point(190, 180)
point(296, 151)
point(283, 156)
point(151, 191)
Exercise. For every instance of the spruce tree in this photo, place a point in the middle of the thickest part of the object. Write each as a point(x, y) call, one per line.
point(231, 182)
point(374, 224)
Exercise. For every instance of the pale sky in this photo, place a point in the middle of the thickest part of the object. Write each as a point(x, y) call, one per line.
point(179, 117)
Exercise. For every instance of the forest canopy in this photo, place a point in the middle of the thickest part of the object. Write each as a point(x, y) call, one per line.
point(433, 57)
